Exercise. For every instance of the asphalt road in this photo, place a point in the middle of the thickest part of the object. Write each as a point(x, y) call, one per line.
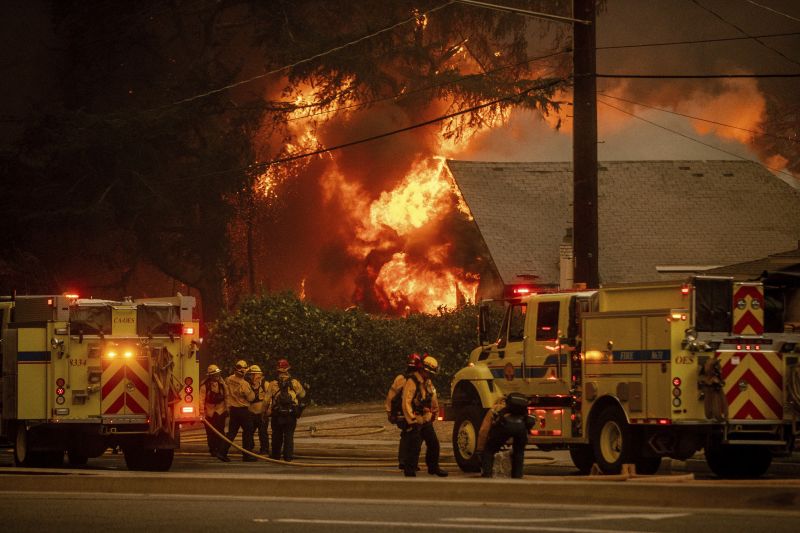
point(64, 512)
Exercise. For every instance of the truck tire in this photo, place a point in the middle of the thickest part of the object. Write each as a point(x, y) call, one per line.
point(24, 456)
point(76, 458)
point(738, 462)
point(612, 441)
point(582, 457)
point(468, 421)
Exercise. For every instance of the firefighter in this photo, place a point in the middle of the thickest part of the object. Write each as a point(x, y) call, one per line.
point(240, 394)
point(507, 419)
point(283, 405)
point(394, 404)
point(257, 407)
point(212, 391)
point(420, 407)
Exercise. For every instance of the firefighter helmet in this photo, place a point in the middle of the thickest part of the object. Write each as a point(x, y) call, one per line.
point(430, 364)
point(241, 366)
point(254, 369)
point(283, 365)
point(213, 370)
point(414, 361)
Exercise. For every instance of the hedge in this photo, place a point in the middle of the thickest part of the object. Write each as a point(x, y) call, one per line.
point(343, 355)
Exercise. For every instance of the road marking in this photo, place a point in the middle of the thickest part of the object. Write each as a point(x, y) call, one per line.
point(434, 525)
point(629, 516)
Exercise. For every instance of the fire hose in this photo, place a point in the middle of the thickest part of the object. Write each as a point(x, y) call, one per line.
point(543, 460)
point(163, 415)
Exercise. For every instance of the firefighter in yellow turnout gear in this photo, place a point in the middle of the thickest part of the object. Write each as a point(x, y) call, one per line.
point(240, 394)
point(420, 406)
point(394, 405)
point(507, 419)
point(212, 392)
point(283, 405)
point(258, 407)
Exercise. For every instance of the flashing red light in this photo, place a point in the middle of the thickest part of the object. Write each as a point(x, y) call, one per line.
point(188, 380)
point(738, 346)
point(60, 391)
point(60, 382)
point(188, 398)
point(747, 347)
point(534, 432)
point(758, 347)
point(188, 390)
point(676, 382)
point(685, 289)
point(556, 432)
point(50, 302)
point(188, 330)
point(664, 421)
point(72, 296)
point(522, 290)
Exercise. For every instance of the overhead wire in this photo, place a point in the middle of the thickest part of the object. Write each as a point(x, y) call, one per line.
point(697, 76)
point(699, 41)
point(754, 132)
point(260, 166)
point(689, 137)
point(743, 32)
point(527, 12)
point(781, 13)
point(307, 59)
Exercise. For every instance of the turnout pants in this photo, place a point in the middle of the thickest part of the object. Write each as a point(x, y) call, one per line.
point(241, 418)
point(261, 422)
point(416, 435)
point(217, 421)
point(283, 437)
point(497, 438)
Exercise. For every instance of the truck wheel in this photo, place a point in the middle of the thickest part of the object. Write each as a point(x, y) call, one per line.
point(465, 437)
point(22, 455)
point(582, 457)
point(743, 462)
point(612, 441)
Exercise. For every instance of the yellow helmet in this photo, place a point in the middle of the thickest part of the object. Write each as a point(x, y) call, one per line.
point(254, 369)
point(213, 370)
point(430, 365)
point(241, 366)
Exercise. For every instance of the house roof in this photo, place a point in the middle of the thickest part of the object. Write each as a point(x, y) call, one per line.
point(651, 213)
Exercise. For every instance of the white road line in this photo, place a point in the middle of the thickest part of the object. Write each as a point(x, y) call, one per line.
point(434, 525)
point(629, 516)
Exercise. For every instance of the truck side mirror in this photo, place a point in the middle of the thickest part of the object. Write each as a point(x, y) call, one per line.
point(483, 320)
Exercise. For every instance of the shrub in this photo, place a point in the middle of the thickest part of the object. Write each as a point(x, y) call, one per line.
point(343, 355)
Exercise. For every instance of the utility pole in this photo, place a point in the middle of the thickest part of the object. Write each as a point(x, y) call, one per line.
point(584, 146)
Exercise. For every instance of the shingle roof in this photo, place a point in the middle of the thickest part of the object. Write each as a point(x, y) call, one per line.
point(651, 213)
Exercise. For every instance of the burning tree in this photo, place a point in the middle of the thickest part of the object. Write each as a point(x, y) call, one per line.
point(155, 154)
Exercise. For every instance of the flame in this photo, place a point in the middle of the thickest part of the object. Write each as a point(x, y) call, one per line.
point(416, 286)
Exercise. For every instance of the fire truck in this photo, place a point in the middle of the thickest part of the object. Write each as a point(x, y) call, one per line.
point(84, 375)
point(630, 374)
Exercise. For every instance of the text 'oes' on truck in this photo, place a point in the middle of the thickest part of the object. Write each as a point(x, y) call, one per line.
point(629, 374)
point(82, 375)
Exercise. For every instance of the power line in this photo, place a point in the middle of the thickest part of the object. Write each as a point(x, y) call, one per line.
point(755, 132)
point(398, 96)
point(259, 166)
point(700, 41)
point(740, 30)
point(306, 60)
point(781, 13)
point(689, 137)
point(696, 76)
point(519, 11)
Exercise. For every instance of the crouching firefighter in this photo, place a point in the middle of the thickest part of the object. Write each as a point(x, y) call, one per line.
point(394, 405)
point(420, 407)
point(507, 419)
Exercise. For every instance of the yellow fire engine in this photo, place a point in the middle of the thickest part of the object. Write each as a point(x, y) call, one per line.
point(82, 375)
point(635, 373)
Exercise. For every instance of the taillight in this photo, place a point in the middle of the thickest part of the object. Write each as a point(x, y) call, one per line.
point(187, 409)
point(188, 330)
point(188, 398)
point(188, 380)
point(60, 391)
point(676, 394)
point(188, 390)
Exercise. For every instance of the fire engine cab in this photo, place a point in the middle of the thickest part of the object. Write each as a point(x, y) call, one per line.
point(637, 372)
point(82, 375)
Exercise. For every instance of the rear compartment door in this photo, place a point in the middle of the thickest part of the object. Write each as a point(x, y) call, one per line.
point(126, 385)
point(753, 384)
